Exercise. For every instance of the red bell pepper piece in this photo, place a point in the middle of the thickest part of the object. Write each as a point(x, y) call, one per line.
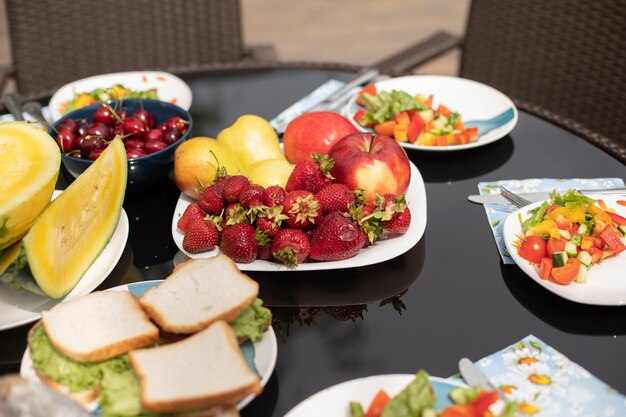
point(415, 128)
point(472, 132)
point(368, 89)
point(611, 238)
point(546, 268)
point(385, 128)
point(609, 252)
point(483, 401)
point(596, 254)
point(597, 242)
point(617, 218)
point(378, 404)
point(574, 229)
point(458, 411)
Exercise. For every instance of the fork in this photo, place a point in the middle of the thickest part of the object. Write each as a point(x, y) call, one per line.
point(487, 125)
point(513, 198)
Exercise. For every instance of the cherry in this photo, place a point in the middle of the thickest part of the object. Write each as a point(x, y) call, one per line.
point(104, 115)
point(135, 153)
point(152, 147)
point(77, 142)
point(171, 136)
point(178, 123)
point(99, 129)
point(134, 127)
point(94, 154)
point(75, 154)
point(118, 130)
point(91, 143)
point(122, 114)
point(154, 135)
point(66, 140)
point(82, 129)
point(134, 144)
point(146, 117)
point(68, 124)
point(162, 127)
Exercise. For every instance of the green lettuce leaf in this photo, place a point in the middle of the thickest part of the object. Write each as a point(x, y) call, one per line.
point(251, 322)
point(417, 396)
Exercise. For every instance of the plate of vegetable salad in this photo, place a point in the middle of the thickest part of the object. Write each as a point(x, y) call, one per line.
point(573, 245)
point(399, 395)
point(429, 112)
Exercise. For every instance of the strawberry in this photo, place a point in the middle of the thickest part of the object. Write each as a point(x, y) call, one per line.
point(274, 196)
point(201, 236)
point(370, 224)
point(335, 197)
point(301, 208)
point(264, 243)
point(337, 237)
point(311, 175)
point(399, 222)
point(239, 243)
point(192, 212)
point(265, 252)
point(252, 195)
point(233, 187)
point(211, 200)
point(290, 246)
point(270, 220)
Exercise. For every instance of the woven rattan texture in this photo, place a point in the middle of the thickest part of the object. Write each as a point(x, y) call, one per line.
point(566, 56)
point(57, 41)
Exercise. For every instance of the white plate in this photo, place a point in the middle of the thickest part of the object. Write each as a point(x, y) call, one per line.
point(334, 401)
point(379, 252)
point(265, 351)
point(605, 281)
point(21, 307)
point(169, 87)
point(471, 99)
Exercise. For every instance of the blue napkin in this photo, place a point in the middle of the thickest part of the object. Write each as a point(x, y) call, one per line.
point(497, 214)
point(545, 383)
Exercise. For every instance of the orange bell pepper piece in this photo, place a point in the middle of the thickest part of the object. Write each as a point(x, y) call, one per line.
point(400, 132)
point(403, 118)
point(443, 110)
point(378, 404)
point(385, 128)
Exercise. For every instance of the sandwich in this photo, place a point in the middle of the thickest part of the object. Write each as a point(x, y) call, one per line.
point(105, 347)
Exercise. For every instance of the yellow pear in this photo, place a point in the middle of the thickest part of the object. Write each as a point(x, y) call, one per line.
point(270, 172)
point(252, 139)
point(196, 161)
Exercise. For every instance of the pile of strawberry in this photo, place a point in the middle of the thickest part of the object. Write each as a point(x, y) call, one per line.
point(312, 217)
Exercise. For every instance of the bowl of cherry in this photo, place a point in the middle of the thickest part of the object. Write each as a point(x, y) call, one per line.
point(150, 129)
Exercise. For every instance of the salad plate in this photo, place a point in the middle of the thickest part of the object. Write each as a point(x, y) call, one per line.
point(22, 307)
point(261, 356)
point(168, 87)
point(471, 99)
point(382, 251)
point(605, 281)
point(334, 401)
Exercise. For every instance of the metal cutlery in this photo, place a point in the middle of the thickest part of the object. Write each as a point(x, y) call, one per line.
point(487, 125)
point(34, 109)
point(13, 103)
point(516, 200)
point(472, 375)
point(535, 196)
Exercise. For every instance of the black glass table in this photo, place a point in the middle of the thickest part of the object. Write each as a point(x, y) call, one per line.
point(448, 297)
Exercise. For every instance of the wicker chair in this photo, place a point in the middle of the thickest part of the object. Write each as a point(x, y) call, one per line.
point(562, 60)
point(56, 41)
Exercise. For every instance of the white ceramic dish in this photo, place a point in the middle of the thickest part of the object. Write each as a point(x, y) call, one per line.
point(22, 307)
point(334, 401)
point(169, 87)
point(380, 252)
point(265, 351)
point(605, 281)
point(471, 99)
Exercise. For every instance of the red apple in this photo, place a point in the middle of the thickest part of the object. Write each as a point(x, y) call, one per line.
point(314, 132)
point(374, 163)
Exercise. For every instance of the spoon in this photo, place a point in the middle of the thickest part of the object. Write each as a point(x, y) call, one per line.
point(34, 109)
point(487, 125)
point(13, 104)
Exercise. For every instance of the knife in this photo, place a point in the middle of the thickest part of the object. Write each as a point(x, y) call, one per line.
point(472, 375)
point(534, 197)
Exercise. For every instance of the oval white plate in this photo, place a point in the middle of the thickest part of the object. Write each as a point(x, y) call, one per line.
point(471, 99)
point(334, 401)
point(169, 87)
point(380, 252)
point(605, 281)
point(265, 351)
point(21, 307)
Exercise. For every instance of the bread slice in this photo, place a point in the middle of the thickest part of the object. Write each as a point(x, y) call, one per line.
point(198, 293)
point(99, 326)
point(204, 370)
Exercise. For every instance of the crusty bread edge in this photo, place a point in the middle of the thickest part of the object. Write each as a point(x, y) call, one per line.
point(219, 399)
point(114, 349)
point(193, 328)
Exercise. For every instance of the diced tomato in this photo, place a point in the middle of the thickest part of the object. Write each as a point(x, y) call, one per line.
point(472, 132)
point(368, 89)
point(596, 254)
point(574, 229)
point(385, 128)
point(546, 268)
point(443, 110)
point(462, 138)
point(555, 245)
point(597, 242)
point(403, 118)
point(378, 404)
point(429, 101)
point(533, 249)
point(415, 128)
point(587, 242)
point(457, 411)
point(483, 401)
point(611, 239)
point(563, 222)
point(617, 218)
point(568, 273)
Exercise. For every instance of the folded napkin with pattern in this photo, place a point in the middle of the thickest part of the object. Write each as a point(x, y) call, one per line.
point(545, 383)
point(497, 214)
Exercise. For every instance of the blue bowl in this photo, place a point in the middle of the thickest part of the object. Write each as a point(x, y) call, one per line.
point(144, 171)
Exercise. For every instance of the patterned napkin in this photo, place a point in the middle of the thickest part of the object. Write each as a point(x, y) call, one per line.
point(321, 93)
point(497, 214)
point(545, 383)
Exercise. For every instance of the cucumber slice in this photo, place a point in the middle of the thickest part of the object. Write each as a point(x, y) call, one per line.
point(565, 234)
point(621, 228)
point(582, 275)
point(583, 229)
point(559, 259)
point(571, 249)
point(427, 115)
point(576, 239)
point(439, 123)
point(584, 257)
point(458, 396)
point(429, 412)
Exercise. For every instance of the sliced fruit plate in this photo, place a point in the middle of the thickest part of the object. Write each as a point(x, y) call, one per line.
point(381, 251)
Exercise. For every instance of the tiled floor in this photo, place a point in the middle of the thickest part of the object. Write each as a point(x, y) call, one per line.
point(351, 31)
